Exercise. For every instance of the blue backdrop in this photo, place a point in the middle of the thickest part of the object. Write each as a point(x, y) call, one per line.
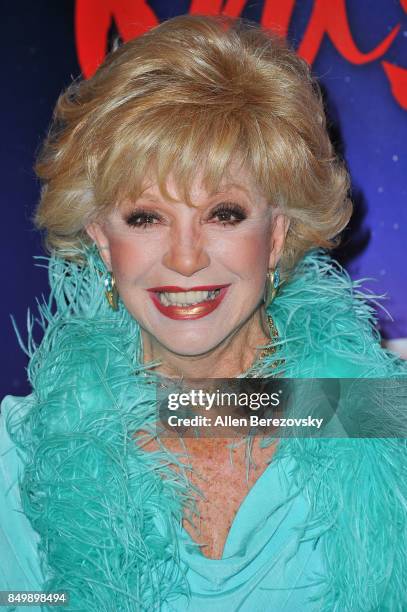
point(357, 49)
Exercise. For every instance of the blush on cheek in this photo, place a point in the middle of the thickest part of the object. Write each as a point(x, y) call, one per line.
point(249, 252)
point(128, 257)
point(137, 264)
point(122, 259)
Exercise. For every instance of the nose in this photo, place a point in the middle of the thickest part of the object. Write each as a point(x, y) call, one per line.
point(186, 253)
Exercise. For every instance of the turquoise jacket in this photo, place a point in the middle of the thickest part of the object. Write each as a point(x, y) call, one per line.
point(85, 510)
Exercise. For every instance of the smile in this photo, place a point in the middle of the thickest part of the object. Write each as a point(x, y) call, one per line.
point(193, 303)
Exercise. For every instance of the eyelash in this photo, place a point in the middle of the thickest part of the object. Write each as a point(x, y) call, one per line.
point(226, 208)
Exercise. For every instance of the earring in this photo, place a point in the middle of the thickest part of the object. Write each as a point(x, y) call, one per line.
point(111, 293)
point(272, 283)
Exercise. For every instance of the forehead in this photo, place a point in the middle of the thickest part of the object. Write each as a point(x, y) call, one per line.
point(237, 180)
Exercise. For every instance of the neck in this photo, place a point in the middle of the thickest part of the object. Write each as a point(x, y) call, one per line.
point(230, 358)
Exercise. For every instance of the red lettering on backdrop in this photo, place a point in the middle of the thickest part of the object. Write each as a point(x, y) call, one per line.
point(330, 18)
point(232, 8)
point(93, 19)
point(398, 82)
point(277, 15)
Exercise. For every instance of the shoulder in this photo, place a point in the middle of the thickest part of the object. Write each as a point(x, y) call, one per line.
point(10, 460)
point(327, 324)
point(19, 560)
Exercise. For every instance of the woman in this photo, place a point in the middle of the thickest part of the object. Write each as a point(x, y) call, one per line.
point(186, 186)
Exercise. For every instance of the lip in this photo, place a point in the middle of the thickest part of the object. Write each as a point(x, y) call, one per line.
point(176, 289)
point(196, 311)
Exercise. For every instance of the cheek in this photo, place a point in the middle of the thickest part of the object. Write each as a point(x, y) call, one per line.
point(123, 256)
point(247, 252)
point(132, 255)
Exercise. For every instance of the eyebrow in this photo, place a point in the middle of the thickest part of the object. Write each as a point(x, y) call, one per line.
point(225, 188)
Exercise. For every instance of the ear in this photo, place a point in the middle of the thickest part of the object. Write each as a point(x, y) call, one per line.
point(96, 232)
point(281, 223)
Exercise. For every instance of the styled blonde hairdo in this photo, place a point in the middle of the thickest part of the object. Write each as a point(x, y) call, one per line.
point(193, 93)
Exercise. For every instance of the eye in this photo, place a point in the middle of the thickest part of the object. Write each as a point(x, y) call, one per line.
point(228, 213)
point(142, 218)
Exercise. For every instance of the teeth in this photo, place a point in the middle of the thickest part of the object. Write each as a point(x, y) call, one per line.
point(186, 298)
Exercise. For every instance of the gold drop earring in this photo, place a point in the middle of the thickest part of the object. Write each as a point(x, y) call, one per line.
point(111, 293)
point(271, 288)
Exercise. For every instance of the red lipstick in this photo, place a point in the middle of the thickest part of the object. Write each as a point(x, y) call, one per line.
point(195, 311)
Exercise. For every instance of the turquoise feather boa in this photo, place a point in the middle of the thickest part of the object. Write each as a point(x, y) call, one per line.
point(106, 510)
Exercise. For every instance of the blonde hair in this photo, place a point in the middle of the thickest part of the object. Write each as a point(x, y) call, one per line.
point(194, 93)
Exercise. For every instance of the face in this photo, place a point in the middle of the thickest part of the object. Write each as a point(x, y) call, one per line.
point(192, 276)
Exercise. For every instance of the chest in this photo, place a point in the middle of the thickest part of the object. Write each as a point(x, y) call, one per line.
point(220, 478)
point(224, 487)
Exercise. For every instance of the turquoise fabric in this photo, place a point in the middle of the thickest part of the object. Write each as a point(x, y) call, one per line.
point(19, 561)
point(107, 512)
point(262, 567)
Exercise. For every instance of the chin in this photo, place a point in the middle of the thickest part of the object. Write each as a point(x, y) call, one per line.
point(190, 345)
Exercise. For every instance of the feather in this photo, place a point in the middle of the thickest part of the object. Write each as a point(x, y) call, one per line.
point(106, 511)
